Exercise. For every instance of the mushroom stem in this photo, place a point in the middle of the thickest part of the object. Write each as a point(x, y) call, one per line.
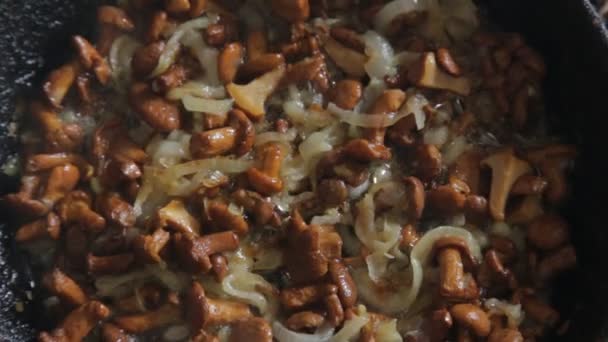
point(506, 169)
point(138, 323)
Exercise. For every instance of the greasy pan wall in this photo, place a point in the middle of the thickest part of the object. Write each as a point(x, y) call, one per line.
point(34, 37)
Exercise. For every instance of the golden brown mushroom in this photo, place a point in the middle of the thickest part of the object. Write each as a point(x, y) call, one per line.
point(291, 10)
point(266, 179)
point(254, 329)
point(137, 323)
point(472, 317)
point(228, 62)
point(193, 253)
point(426, 73)
point(553, 161)
point(263, 211)
point(223, 219)
point(116, 210)
point(48, 227)
point(346, 93)
point(61, 285)
point(43, 162)
point(506, 169)
point(148, 247)
point(298, 297)
point(251, 97)
point(176, 217)
point(348, 60)
point(202, 311)
point(59, 82)
point(61, 180)
point(441, 322)
point(347, 289)
point(160, 113)
point(111, 264)
point(77, 323)
point(59, 137)
point(92, 60)
point(76, 208)
point(388, 102)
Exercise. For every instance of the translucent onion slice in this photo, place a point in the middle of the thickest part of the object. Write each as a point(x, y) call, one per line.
point(402, 299)
point(121, 53)
point(381, 56)
point(173, 44)
point(366, 120)
point(244, 286)
point(393, 9)
point(222, 164)
point(398, 300)
point(209, 106)
point(267, 137)
point(197, 89)
point(424, 246)
point(351, 329)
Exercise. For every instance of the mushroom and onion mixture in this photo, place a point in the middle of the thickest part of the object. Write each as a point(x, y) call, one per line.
point(295, 170)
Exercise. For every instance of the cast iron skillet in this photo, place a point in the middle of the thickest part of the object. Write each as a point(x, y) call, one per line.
point(34, 38)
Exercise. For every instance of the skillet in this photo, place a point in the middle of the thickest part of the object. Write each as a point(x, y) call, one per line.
point(34, 38)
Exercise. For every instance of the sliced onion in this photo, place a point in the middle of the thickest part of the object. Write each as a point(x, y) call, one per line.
point(209, 106)
point(513, 311)
point(351, 329)
point(399, 299)
point(457, 147)
point(176, 333)
point(146, 189)
point(316, 144)
point(222, 164)
point(370, 94)
point(422, 249)
point(462, 18)
point(197, 89)
point(245, 286)
point(115, 286)
point(365, 120)
point(381, 56)
point(415, 104)
point(267, 137)
point(167, 57)
point(387, 331)
point(331, 216)
point(205, 178)
point(359, 190)
point(282, 334)
point(170, 150)
point(119, 285)
point(207, 56)
point(121, 52)
point(378, 241)
point(437, 136)
point(171, 280)
point(395, 8)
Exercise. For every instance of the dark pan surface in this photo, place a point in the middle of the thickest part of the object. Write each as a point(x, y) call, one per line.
point(34, 37)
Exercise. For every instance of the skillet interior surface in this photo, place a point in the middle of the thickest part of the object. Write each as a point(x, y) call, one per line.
point(35, 38)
